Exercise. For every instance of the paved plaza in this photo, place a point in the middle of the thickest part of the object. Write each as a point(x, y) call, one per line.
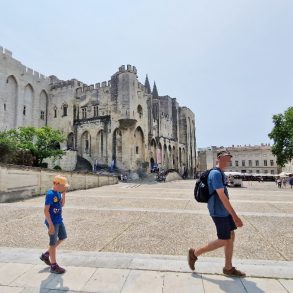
point(134, 237)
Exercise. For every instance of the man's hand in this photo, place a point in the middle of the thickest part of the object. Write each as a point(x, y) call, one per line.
point(51, 230)
point(238, 221)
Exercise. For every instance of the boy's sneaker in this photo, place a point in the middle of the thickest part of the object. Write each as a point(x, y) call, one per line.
point(45, 258)
point(191, 258)
point(55, 269)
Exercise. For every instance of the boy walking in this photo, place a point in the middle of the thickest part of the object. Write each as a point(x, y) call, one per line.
point(55, 200)
point(224, 217)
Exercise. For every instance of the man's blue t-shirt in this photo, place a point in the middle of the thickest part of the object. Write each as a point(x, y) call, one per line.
point(215, 205)
point(54, 199)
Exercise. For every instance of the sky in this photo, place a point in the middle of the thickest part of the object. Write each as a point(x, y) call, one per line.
point(229, 61)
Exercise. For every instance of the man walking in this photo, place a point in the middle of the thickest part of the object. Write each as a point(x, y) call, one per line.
point(223, 215)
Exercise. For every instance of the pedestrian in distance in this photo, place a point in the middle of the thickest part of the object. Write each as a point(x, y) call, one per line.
point(224, 217)
point(54, 202)
point(279, 182)
point(291, 181)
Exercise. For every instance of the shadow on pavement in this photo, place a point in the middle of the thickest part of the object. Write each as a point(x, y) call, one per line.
point(231, 283)
point(52, 282)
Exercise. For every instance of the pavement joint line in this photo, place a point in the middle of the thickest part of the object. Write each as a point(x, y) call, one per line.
point(117, 236)
point(156, 210)
point(176, 199)
point(266, 240)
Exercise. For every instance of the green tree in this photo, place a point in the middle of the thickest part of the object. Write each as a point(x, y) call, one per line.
point(282, 135)
point(41, 143)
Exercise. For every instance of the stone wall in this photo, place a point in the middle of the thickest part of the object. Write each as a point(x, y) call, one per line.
point(20, 182)
point(66, 163)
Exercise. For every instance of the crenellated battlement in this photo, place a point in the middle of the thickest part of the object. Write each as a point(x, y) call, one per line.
point(24, 70)
point(128, 68)
point(93, 87)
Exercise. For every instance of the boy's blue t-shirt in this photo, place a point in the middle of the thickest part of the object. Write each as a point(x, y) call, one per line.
point(54, 199)
point(215, 205)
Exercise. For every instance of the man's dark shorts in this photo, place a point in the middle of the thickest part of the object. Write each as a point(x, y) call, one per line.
point(60, 233)
point(224, 226)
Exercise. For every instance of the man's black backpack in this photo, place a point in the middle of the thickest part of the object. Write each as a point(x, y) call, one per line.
point(201, 189)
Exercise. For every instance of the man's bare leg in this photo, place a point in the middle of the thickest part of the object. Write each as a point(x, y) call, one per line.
point(228, 248)
point(210, 247)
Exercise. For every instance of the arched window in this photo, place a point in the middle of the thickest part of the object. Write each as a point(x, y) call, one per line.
point(139, 111)
point(55, 112)
point(64, 107)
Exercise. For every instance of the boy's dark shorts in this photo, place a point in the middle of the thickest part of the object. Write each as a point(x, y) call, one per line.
point(224, 226)
point(60, 233)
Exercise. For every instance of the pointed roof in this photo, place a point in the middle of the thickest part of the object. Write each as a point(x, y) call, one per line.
point(155, 91)
point(147, 85)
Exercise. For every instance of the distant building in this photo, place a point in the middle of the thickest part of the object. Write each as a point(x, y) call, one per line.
point(256, 159)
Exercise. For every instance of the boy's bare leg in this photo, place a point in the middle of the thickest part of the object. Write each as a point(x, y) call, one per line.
point(52, 251)
point(210, 247)
point(228, 248)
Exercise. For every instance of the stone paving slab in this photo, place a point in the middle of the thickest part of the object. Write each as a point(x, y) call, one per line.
point(88, 279)
point(145, 262)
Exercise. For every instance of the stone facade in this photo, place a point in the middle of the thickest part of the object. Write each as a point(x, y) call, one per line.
point(246, 159)
point(120, 119)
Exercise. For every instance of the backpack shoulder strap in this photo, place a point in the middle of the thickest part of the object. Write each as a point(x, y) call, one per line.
point(222, 173)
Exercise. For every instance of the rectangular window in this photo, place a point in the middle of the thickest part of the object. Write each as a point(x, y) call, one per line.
point(96, 113)
point(136, 150)
point(236, 163)
point(265, 163)
point(272, 172)
point(65, 110)
point(272, 162)
point(24, 110)
point(230, 163)
point(243, 163)
point(83, 113)
point(257, 171)
point(257, 163)
point(42, 115)
point(250, 163)
point(266, 171)
point(4, 107)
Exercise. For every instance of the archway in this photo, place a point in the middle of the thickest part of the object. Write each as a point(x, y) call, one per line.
point(11, 102)
point(70, 141)
point(28, 102)
point(43, 107)
point(139, 145)
point(100, 146)
point(117, 147)
point(86, 143)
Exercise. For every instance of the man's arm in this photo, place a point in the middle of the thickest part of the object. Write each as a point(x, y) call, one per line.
point(225, 200)
point(49, 220)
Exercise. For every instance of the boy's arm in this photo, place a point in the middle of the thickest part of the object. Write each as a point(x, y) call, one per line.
point(63, 199)
point(49, 220)
point(224, 199)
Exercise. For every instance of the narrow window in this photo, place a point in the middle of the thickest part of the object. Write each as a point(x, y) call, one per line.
point(65, 110)
point(55, 112)
point(4, 107)
point(136, 150)
point(24, 110)
point(42, 115)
